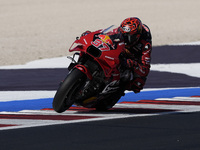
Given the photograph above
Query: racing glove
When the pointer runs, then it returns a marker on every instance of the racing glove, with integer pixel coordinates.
(129, 63)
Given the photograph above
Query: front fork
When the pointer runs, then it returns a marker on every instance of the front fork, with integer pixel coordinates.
(81, 67)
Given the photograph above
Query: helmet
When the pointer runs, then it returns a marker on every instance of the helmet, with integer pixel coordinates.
(131, 30)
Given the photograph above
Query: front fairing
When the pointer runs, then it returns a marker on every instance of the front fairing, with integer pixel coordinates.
(82, 43)
(104, 48)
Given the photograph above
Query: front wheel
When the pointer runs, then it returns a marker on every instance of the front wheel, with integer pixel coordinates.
(65, 95)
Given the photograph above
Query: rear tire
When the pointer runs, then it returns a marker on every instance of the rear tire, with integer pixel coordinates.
(64, 97)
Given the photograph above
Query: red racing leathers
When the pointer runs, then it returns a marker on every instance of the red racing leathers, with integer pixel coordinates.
(138, 57)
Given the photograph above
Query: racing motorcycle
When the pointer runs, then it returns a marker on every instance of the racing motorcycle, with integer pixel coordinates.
(95, 80)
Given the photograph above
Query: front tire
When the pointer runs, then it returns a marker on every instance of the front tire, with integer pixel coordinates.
(64, 97)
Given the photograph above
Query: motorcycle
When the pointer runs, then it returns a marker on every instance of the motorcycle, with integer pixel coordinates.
(96, 79)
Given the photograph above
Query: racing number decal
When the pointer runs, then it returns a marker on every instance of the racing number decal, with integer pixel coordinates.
(105, 47)
(98, 43)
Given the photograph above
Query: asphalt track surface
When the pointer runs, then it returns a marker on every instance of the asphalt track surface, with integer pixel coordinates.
(160, 132)
(165, 132)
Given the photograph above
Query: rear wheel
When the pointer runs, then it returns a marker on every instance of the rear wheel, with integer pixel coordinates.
(65, 95)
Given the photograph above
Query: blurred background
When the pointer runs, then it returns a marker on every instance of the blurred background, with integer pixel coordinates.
(38, 29)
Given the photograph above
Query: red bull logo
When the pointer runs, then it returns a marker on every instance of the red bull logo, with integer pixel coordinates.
(106, 39)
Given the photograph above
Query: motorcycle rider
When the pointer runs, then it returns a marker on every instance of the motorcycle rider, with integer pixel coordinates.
(138, 44)
(137, 54)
